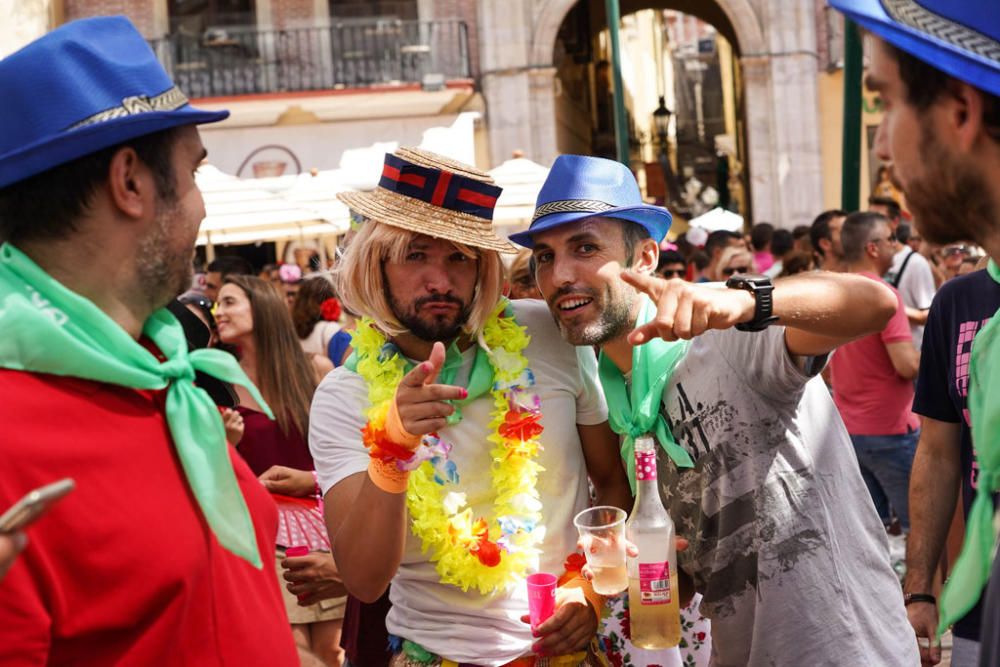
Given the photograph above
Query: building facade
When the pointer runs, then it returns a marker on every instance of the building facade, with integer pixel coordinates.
(311, 83)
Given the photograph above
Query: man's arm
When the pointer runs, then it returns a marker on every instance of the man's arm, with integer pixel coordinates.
(905, 358)
(934, 486)
(820, 310)
(366, 522)
(604, 465)
(916, 316)
(367, 528)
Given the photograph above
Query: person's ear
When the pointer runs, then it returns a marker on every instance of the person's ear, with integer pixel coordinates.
(130, 183)
(962, 110)
(646, 256)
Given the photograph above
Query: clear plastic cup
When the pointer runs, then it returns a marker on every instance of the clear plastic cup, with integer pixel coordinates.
(602, 535)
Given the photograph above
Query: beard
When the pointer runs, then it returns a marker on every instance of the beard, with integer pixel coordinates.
(951, 200)
(163, 270)
(615, 317)
(435, 327)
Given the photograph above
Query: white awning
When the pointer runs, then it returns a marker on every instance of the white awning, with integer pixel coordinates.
(718, 219)
(521, 180)
(252, 210)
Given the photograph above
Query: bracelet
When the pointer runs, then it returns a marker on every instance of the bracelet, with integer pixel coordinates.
(911, 598)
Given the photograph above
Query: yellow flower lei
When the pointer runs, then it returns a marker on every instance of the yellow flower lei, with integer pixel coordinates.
(470, 552)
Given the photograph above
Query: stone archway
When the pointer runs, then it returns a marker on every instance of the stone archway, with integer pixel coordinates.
(777, 47)
(548, 20)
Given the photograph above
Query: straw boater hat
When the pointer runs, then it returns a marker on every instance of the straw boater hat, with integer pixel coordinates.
(429, 194)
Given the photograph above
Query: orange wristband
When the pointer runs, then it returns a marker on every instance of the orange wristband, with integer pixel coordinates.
(394, 429)
(386, 476)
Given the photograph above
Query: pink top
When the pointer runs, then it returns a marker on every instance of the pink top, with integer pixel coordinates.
(762, 261)
(872, 398)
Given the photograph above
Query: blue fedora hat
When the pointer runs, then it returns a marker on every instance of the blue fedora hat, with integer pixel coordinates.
(959, 37)
(581, 187)
(86, 85)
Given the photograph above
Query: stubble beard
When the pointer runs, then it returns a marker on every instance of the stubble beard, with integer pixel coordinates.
(163, 270)
(614, 321)
(951, 201)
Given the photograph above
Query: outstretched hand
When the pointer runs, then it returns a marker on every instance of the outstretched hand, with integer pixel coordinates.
(685, 310)
(685, 584)
(420, 403)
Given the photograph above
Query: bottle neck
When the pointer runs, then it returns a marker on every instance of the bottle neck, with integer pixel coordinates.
(646, 492)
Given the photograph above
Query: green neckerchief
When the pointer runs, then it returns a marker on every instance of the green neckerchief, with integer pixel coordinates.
(652, 365)
(48, 328)
(972, 569)
(480, 377)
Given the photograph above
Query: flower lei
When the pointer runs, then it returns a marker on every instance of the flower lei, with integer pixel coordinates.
(468, 552)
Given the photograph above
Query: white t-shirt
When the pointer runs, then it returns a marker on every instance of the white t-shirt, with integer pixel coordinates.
(318, 340)
(470, 627)
(785, 545)
(916, 286)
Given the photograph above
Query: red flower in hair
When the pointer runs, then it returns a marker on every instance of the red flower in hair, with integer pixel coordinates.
(330, 310)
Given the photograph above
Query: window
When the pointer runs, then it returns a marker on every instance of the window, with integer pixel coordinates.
(194, 17)
(358, 9)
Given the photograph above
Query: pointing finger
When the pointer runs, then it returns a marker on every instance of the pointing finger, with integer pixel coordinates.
(437, 361)
(426, 371)
(644, 283)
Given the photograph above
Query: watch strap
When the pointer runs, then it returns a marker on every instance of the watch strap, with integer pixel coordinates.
(911, 598)
(762, 290)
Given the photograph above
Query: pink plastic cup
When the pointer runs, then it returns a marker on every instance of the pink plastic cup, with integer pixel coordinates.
(541, 597)
(295, 552)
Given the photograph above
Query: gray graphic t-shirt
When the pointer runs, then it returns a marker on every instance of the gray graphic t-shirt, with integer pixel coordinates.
(786, 547)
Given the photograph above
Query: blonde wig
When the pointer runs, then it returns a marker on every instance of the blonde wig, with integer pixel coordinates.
(361, 281)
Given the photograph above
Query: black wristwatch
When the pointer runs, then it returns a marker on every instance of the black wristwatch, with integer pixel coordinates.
(910, 598)
(761, 288)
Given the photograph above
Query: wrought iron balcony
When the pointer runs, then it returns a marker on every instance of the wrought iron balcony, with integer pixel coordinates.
(243, 60)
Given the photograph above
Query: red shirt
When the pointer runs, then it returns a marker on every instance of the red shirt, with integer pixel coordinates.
(125, 570)
(871, 397)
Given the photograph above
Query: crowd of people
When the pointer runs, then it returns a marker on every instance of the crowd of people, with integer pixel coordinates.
(361, 465)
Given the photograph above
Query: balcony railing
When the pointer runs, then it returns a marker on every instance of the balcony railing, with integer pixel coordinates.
(349, 54)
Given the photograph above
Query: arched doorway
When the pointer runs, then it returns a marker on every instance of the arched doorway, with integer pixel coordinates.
(776, 51)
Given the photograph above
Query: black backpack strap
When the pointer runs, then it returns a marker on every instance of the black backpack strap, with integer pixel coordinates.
(899, 276)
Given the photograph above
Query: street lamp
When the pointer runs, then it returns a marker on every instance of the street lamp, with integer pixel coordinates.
(661, 122)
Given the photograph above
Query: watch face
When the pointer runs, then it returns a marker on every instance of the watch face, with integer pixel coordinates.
(748, 280)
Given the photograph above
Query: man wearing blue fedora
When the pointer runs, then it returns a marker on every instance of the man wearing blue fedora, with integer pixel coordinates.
(936, 66)
(157, 556)
(756, 467)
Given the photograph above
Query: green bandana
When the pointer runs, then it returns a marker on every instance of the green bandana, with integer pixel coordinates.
(972, 569)
(480, 377)
(49, 329)
(652, 365)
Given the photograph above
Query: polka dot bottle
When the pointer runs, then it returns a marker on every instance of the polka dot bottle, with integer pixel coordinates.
(653, 597)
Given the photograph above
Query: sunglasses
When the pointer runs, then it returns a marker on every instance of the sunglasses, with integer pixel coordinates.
(672, 273)
(956, 250)
(734, 270)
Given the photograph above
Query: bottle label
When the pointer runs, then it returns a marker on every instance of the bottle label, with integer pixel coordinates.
(645, 466)
(654, 583)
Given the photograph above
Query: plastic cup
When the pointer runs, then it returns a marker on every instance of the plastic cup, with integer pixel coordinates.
(541, 597)
(602, 534)
(295, 552)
